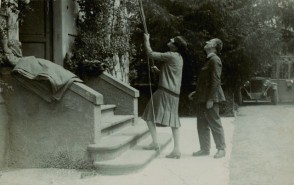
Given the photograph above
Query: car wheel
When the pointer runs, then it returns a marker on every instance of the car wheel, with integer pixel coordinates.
(240, 98)
(274, 97)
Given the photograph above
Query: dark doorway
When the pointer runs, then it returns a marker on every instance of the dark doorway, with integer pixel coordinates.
(35, 32)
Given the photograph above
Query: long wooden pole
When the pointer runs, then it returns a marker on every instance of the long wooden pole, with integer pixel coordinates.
(152, 62)
(144, 21)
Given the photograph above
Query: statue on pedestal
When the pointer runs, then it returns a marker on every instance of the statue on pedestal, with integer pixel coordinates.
(10, 46)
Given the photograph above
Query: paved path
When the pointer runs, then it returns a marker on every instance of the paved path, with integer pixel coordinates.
(186, 171)
(263, 146)
(263, 154)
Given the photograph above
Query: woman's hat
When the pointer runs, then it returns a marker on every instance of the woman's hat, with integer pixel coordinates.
(180, 42)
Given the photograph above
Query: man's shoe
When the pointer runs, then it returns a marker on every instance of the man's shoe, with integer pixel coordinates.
(201, 153)
(220, 154)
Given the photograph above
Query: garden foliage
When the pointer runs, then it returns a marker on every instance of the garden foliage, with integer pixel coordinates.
(254, 32)
(103, 40)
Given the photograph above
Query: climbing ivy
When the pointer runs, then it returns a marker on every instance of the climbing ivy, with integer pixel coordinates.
(104, 36)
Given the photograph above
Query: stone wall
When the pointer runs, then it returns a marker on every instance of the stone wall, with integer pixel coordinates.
(285, 89)
(3, 132)
(57, 134)
(116, 92)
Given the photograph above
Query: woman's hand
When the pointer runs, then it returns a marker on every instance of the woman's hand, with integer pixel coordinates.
(190, 96)
(154, 69)
(146, 36)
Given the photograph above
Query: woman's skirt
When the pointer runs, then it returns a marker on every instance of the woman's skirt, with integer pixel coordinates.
(166, 106)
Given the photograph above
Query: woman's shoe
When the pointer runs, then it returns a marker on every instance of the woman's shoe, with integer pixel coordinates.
(174, 155)
(152, 147)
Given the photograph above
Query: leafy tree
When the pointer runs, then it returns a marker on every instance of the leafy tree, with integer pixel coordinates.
(253, 32)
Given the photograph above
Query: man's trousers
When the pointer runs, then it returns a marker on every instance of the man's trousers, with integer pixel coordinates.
(209, 119)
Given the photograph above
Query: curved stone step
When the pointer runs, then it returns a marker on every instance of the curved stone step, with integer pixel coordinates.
(107, 110)
(115, 144)
(134, 159)
(115, 123)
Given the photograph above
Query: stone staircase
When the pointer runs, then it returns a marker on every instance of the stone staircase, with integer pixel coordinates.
(120, 151)
(58, 134)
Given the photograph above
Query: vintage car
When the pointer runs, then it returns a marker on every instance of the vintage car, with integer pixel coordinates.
(258, 88)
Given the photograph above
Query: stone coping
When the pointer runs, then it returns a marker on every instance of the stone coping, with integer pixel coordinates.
(120, 85)
(87, 93)
(77, 87)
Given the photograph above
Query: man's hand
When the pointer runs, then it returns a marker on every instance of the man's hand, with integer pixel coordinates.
(154, 69)
(209, 104)
(190, 96)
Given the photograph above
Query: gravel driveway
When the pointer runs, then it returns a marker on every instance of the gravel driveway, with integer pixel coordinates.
(263, 146)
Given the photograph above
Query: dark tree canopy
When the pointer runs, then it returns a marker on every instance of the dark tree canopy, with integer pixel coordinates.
(254, 32)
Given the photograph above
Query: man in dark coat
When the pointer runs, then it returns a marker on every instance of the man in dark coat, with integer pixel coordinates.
(208, 95)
